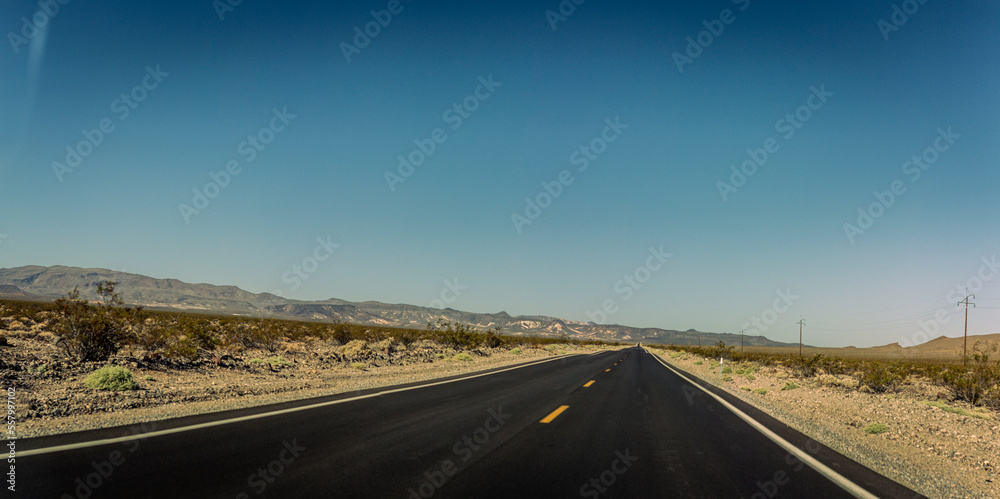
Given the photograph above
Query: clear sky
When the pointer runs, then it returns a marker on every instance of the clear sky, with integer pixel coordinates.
(634, 114)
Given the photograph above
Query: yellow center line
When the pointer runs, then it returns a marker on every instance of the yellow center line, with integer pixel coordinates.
(554, 414)
(591, 382)
(608, 369)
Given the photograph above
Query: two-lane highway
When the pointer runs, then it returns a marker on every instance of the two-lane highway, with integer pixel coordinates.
(612, 424)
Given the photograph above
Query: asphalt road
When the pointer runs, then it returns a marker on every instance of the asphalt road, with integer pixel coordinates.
(616, 424)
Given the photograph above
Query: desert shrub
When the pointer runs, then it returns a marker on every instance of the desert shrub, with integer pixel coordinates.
(91, 333)
(727, 370)
(720, 350)
(761, 391)
(182, 348)
(111, 378)
(876, 428)
(806, 367)
(880, 377)
(457, 335)
(463, 357)
(516, 351)
(789, 386)
(978, 382)
(146, 332)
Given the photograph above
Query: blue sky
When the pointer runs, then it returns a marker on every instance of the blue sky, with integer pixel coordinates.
(183, 93)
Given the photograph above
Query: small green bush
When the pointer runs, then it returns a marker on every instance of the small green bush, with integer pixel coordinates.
(148, 378)
(359, 365)
(876, 428)
(727, 370)
(727, 378)
(761, 391)
(698, 363)
(745, 388)
(111, 378)
(516, 351)
(789, 386)
(463, 357)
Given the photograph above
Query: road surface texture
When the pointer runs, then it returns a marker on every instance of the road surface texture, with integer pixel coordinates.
(611, 424)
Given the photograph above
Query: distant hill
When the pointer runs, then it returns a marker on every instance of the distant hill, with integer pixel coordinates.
(8, 292)
(171, 294)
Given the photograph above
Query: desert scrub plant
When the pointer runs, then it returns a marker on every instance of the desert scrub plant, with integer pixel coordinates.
(880, 377)
(978, 382)
(359, 365)
(745, 388)
(876, 428)
(516, 351)
(182, 348)
(463, 357)
(956, 410)
(110, 378)
(698, 363)
(727, 378)
(91, 333)
(789, 386)
(761, 391)
(727, 370)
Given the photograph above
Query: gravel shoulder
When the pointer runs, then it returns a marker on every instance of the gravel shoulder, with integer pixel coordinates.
(925, 447)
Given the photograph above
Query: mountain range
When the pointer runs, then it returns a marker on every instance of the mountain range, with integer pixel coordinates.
(47, 283)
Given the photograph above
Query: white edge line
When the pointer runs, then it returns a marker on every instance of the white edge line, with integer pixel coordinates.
(851, 487)
(169, 431)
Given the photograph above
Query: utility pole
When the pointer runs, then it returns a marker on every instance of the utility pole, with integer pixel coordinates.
(741, 341)
(965, 335)
(801, 323)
